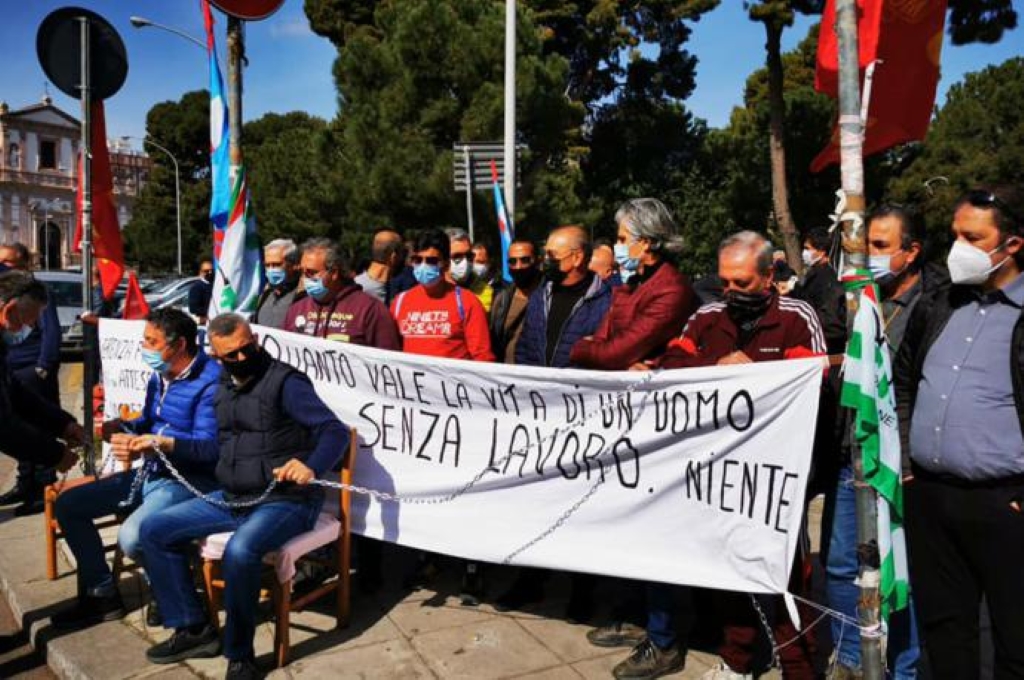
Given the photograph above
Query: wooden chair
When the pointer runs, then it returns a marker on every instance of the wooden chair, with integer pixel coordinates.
(333, 528)
(54, 533)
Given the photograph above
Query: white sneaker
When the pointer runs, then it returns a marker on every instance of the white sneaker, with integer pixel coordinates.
(723, 672)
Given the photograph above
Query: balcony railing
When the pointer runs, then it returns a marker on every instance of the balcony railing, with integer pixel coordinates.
(46, 179)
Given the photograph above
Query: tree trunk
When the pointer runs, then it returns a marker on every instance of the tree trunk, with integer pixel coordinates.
(777, 146)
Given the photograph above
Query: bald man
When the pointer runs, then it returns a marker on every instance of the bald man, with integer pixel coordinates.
(388, 259)
(602, 263)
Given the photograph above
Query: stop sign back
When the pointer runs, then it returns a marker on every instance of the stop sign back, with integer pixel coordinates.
(249, 10)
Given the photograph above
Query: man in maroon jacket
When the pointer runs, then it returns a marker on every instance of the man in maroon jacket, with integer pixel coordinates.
(335, 307)
(754, 323)
(652, 305)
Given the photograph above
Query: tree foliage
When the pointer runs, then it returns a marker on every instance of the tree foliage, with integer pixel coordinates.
(977, 137)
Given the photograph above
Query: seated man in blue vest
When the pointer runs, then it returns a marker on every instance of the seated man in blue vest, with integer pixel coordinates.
(273, 428)
(179, 418)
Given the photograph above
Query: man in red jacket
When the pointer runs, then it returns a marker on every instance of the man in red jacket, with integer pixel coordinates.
(754, 323)
(334, 307)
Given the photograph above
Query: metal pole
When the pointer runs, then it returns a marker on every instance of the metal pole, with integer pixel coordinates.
(510, 109)
(851, 142)
(236, 52)
(88, 330)
(469, 191)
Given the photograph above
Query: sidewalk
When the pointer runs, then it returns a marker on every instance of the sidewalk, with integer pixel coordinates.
(393, 634)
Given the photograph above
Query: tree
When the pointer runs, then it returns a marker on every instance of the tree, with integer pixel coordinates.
(150, 237)
(776, 15)
(977, 137)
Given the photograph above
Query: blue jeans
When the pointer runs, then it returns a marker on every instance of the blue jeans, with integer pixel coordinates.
(661, 610)
(78, 508)
(842, 592)
(167, 543)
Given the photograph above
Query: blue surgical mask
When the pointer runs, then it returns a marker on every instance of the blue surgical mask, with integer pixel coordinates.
(19, 336)
(315, 287)
(427, 274)
(626, 263)
(276, 276)
(154, 359)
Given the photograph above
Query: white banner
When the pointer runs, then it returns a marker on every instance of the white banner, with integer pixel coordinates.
(693, 476)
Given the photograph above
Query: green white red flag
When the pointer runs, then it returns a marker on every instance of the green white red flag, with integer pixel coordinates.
(868, 391)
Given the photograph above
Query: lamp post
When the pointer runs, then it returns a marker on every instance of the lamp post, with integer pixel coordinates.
(177, 187)
(143, 22)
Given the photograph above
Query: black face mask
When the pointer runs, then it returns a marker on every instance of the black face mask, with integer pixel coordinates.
(243, 369)
(524, 278)
(553, 271)
(208, 277)
(746, 308)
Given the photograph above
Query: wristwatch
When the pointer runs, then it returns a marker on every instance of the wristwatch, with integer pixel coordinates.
(42, 372)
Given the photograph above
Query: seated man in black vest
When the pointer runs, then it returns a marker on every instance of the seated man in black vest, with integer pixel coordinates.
(272, 428)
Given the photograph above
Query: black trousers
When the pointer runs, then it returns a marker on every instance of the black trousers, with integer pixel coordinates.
(966, 540)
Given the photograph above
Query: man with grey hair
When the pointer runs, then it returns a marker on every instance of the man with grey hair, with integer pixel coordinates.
(335, 308)
(754, 323)
(460, 269)
(281, 262)
(656, 299)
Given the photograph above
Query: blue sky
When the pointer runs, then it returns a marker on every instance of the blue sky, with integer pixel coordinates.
(290, 67)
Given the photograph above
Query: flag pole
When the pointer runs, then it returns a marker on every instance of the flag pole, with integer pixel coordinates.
(510, 109)
(236, 52)
(88, 330)
(851, 148)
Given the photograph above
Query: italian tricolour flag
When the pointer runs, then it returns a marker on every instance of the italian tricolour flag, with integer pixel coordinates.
(868, 391)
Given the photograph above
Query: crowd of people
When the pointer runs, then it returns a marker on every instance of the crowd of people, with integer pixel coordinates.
(234, 420)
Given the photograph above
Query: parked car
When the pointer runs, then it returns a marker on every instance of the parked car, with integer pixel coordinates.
(65, 291)
(168, 290)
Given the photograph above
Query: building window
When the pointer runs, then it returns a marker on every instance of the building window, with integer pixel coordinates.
(47, 154)
(15, 161)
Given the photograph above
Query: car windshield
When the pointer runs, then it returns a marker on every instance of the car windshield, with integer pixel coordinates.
(64, 293)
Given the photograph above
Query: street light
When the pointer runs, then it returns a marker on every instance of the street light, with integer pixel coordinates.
(142, 22)
(177, 184)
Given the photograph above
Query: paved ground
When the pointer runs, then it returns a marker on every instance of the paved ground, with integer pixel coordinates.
(394, 634)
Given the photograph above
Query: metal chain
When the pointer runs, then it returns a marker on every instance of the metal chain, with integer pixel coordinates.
(776, 663)
(383, 496)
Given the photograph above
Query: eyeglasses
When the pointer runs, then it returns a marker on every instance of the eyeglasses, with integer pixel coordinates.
(528, 260)
(430, 260)
(986, 199)
(459, 257)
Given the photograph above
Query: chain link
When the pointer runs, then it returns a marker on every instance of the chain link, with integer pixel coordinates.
(776, 663)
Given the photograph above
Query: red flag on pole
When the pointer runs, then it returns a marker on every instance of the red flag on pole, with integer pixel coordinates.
(135, 305)
(106, 245)
(906, 37)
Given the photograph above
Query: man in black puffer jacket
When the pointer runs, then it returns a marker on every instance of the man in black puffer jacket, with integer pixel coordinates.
(272, 426)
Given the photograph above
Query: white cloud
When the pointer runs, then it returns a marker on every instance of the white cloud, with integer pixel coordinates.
(296, 27)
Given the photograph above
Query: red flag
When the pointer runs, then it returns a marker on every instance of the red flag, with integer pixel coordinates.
(135, 305)
(106, 242)
(906, 35)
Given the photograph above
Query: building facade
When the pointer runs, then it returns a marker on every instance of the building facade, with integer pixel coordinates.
(38, 178)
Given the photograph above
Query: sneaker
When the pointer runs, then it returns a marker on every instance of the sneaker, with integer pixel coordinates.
(186, 645)
(618, 634)
(723, 672)
(648, 661)
(89, 610)
(244, 669)
(153, 617)
(472, 590)
(524, 591)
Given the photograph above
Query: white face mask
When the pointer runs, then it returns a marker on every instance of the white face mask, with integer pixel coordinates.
(969, 265)
(808, 257)
(460, 269)
(481, 270)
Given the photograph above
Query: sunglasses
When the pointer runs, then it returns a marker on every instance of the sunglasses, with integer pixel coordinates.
(459, 257)
(431, 260)
(235, 354)
(206, 271)
(986, 199)
(521, 260)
